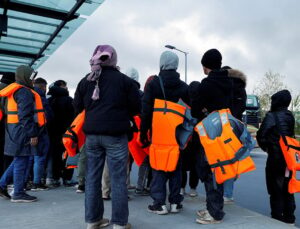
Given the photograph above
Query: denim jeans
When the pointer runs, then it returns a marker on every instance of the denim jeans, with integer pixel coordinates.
(143, 174)
(82, 166)
(115, 149)
(38, 162)
(16, 173)
(158, 186)
(106, 186)
(228, 188)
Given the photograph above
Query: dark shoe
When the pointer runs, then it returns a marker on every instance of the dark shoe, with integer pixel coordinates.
(39, 187)
(25, 198)
(80, 189)
(28, 186)
(158, 209)
(143, 192)
(106, 198)
(4, 194)
(175, 208)
(70, 183)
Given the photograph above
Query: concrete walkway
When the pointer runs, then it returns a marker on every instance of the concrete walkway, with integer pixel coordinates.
(62, 208)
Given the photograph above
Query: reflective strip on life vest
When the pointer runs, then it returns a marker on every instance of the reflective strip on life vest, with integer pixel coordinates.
(12, 107)
(224, 152)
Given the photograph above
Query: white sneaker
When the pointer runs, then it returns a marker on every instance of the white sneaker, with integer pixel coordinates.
(49, 181)
(160, 210)
(193, 193)
(100, 224)
(182, 191)
(127, 226)
(202, 212)
(228, 200)
(175, 208)
(206, 218)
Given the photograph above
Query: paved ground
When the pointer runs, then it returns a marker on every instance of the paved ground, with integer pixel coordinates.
(62, 208)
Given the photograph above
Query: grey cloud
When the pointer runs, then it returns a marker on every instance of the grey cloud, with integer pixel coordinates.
(254, 36)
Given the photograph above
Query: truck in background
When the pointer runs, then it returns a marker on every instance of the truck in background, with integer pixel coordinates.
(252, 114)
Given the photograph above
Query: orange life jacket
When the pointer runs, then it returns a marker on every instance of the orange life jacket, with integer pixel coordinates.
(224, 153)
(74, 137)
(290, 148)
(12, 107)
(291, 151)
(138, 153)
(164, 149)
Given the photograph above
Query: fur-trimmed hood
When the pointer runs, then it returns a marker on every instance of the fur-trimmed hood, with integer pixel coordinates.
(234, 73)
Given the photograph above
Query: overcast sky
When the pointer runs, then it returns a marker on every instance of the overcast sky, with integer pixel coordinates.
(253, 36)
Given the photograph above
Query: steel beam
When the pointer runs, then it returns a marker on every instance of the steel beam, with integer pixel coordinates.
(37, 10)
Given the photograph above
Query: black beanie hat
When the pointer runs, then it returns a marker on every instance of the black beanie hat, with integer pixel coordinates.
(212, 59)
(8, 78)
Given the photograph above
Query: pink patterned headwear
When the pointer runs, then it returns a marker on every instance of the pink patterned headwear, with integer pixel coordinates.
(104, 55)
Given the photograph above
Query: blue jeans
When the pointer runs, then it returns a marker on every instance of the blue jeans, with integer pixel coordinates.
(38, 162)
(16, 173)
(115, 148)
(158, 186)
(228, 188)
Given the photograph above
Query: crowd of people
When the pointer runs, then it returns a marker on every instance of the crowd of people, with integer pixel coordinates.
(33, 124)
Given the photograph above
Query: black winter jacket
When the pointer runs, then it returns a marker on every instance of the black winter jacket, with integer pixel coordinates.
(174, 90)
(268, 133)
(119, 100)
(63, 112)
(220, 89)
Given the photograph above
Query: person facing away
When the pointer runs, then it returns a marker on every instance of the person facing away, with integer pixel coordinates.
(237, 106)
(39, 160)
(24, 120)
(278, 121)
(7, 79)
(213, 93)
(109, 98)
(175, 89)
(62, 106)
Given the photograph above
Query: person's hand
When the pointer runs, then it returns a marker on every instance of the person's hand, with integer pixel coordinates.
(144, 140)
(34, 141)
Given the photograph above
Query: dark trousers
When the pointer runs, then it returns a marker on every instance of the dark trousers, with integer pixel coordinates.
(281, 201)
(193, 179)
(214, 191)
(214, 198)
(59, 165)
(158, 189)
(5, 162)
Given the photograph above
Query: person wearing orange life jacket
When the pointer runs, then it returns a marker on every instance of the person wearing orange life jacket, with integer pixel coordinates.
(213, 93)
(175, 89)
(24, 120)
(38, 162)
(7, 78)
(277, 176)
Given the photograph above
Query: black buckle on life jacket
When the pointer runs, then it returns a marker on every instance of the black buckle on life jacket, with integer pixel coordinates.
(227, 140)
(222, 167)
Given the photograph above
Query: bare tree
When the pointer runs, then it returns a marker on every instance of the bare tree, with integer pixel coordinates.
(295, 104)
(267, 86)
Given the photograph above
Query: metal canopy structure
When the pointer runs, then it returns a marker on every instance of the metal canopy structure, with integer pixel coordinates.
(30, 31)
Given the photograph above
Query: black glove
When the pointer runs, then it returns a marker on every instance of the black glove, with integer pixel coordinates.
(144, 140)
